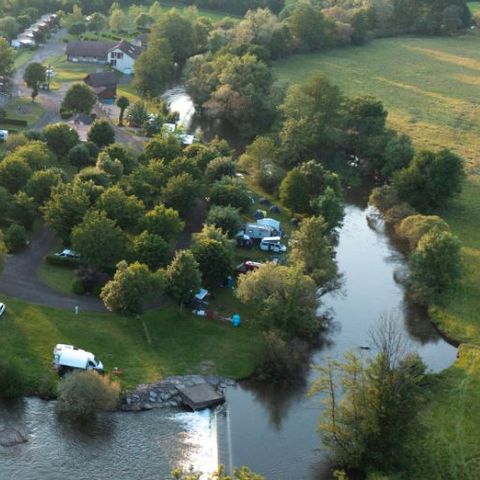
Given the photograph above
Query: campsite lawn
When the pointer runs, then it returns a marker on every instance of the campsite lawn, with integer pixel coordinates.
(179, 341)
(65, 71)
(22, 108)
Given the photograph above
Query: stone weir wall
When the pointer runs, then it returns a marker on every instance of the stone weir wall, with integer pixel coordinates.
(165, 392)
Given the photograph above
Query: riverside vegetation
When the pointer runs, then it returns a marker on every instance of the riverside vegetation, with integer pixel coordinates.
(317, 141)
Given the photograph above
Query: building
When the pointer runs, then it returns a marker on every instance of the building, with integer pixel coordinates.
(119, 55)
(88, 51)
(141, 41)
(38, 30)
(104, 84)
(122, 57)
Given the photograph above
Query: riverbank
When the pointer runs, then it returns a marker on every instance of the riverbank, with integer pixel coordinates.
(178, 343)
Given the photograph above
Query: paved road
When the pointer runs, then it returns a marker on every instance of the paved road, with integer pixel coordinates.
(20, 280)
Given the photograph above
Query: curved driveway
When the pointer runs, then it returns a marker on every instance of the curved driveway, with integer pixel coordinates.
(20, 280)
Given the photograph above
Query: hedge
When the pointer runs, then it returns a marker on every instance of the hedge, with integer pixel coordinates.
(14, 121)
(62, 261)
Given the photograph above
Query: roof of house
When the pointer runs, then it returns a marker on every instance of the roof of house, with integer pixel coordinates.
(101, 79)
(142, 39)
(128, 49)
(88, 48)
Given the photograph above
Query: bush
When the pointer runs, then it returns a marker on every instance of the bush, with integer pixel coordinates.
(62, 261)
(397, 213)
(82, 394)
(414, 227)
(279, 362)
(91, 279)
(12, 379)
(15, 238)
(47, 386)
(77, 287)
(14, 121)
(384, 198)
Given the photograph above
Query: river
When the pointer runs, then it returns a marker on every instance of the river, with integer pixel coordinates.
(271, 431)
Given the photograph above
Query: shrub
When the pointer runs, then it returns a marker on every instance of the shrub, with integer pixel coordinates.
(15, 238)
(62, 261)
(47, 386)
(414, 227)
(91, 279)
(82, 394)
(397, 213)
(77, 287)
(12, 380)
(384, 198)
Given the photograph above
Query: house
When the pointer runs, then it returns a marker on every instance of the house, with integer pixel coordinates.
(141, 41)
(119, 55)
(104, 84)
(122, 57)
(88, 51)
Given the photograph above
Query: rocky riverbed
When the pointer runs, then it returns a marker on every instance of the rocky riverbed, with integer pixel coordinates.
(165, 392)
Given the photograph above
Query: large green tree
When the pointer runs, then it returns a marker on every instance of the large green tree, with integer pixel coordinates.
(163, 221)
(183, 277)
(152, 250)
(79, 98)
(65, 208)
(99, 240)
(131, 287)
(42, 182)
(14, 173)
(7, 57)
(34, 75)
(101, 133)
(61, 138)
(180, 193)
(285, 299)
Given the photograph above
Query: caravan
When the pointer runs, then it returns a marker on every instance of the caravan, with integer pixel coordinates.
(67, 358)
(272, 244)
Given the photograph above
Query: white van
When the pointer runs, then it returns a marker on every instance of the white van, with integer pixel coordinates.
(67, 358)
(272, 244)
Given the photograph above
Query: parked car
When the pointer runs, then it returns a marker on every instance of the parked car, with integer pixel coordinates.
(68, 254)
(272, 244)
(247, 266)
(68, 358)
(2, 308)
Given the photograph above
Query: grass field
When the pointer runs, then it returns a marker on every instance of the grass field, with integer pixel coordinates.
(428, 85)
(179, 341)
(22, 108)
(68, 71)
(474, 7)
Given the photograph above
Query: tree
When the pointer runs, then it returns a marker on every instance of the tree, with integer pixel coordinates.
(34, 75)
(41, 184)
(113, 168)
(230, 192)
(370, 403)
(143, 20)
(77, 28)
(79, 156)
(82, 394)
(22, 210)
(242, 473)
(101, 133)
(180, 193)
(228, 219)
(330, 207)
(303, 184)
(214, 254)
(414, 227)
(126, 210)
(220, 167)
(435, 265)
(99, 240)
(398, 154)
(3, 252)
(117, 20)
(116, 151)
(183, 277)
(14, 173)
(6, 200)
(61, 138)
(36, 154)
(154, 68)
(9, 26)
(7, 57)
(122, 103)
(137, 114)
(314, 116)
(162, 147)
(312, 252)
(131, 287)
(431, 179)
(97, 23)
(163, 221)
(79, 99)
(15, 238)
(152, 250)
(286, 300)
(66, 208)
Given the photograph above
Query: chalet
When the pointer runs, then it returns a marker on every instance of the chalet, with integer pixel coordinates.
(104, 84)
(122, 57)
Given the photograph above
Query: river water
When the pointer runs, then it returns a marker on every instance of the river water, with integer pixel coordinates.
(271, 431)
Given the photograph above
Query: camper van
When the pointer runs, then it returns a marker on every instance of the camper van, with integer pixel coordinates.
(272, 244)
(67, 358)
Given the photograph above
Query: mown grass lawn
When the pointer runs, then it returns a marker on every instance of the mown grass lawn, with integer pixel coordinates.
(179, 341)
(65, 71)
(474, 7)
(56, 276)
(22, 108)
